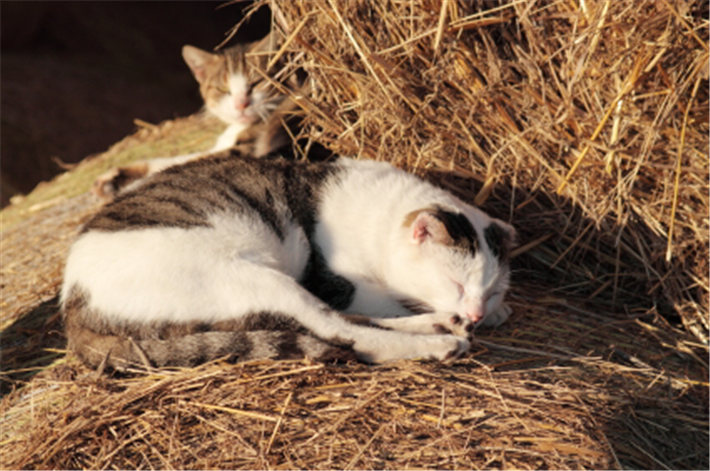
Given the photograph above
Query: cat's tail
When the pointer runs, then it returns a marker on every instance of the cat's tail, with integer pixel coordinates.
(125, 353)
(103, 344)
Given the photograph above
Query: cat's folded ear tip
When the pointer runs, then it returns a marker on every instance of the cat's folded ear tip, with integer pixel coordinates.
(508, 228)
(512, 233)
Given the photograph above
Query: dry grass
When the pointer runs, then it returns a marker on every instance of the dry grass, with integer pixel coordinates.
(268, 414)
(583, 123)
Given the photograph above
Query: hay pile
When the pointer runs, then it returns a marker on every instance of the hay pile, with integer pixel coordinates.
(298, 415)
(585, 124)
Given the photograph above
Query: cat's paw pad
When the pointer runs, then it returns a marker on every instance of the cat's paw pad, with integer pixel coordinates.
(445, 347)
(453, 324)
(497, 317)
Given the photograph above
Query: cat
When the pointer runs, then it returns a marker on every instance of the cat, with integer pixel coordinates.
(260, 118)
(239, 257)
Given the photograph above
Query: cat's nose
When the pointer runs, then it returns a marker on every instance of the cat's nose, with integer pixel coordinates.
(241, 103)
(476, 314)
(474, 308)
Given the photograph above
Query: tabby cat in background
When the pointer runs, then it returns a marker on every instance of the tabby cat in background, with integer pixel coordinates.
(260, 118)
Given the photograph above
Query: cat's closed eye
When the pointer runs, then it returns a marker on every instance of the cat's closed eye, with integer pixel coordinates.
(460, 288)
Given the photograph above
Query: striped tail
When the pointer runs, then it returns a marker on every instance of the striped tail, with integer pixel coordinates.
(124, 353)
(143, 346)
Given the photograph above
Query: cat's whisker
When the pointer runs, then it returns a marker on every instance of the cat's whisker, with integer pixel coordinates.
(263, 114)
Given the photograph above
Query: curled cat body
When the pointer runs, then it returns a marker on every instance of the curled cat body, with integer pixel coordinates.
(235, 257)
(260, 118)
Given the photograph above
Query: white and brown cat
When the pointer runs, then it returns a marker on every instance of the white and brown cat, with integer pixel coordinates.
(259, 116)
(238, 257)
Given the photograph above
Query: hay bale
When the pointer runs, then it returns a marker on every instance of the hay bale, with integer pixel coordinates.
(498, 103)
(583, 122)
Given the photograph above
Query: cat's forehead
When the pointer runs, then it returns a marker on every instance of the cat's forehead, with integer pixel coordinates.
(237, 50)
(495, 236)
(242, 57)
(474, 234)
(463, 236)
(234, 58)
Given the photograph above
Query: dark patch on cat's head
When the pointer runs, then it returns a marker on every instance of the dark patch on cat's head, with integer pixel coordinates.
(443, 227)
(499, 241)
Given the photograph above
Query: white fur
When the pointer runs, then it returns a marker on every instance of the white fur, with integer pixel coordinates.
(238, 85)
(172, 274)
(361, 234)
(228, 138)
(227, 110)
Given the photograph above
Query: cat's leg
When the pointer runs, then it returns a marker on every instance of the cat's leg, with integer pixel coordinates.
(429, 323)
(108, 184)
(442, 322)
(253, 287)
(383, 310)
(369, 343)
(372, 301)
(228, 137)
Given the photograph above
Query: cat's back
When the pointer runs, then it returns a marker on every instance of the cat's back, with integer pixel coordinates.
(172, 241)
(190, 195)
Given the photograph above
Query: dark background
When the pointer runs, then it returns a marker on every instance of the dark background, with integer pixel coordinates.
(74, 75)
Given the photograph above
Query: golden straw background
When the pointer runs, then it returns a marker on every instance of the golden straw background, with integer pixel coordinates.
(583, 123)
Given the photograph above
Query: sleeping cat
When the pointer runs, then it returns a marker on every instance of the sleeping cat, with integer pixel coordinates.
(259, 117)
(233, 256)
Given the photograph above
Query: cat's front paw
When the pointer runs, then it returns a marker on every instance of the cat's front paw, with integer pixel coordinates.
(497, 317)
(444, 347)
(446, 323)
(104, 186)
(108, 184)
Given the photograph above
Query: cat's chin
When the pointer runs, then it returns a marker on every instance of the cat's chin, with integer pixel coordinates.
(248, 119)
(243, 120)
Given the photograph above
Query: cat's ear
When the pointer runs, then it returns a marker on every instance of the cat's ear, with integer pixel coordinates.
(198, 60)
(425, 226)
(269, 43)
(500, 238)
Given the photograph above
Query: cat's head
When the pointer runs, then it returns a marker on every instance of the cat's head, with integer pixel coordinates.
(457, 260)
(230, 85)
